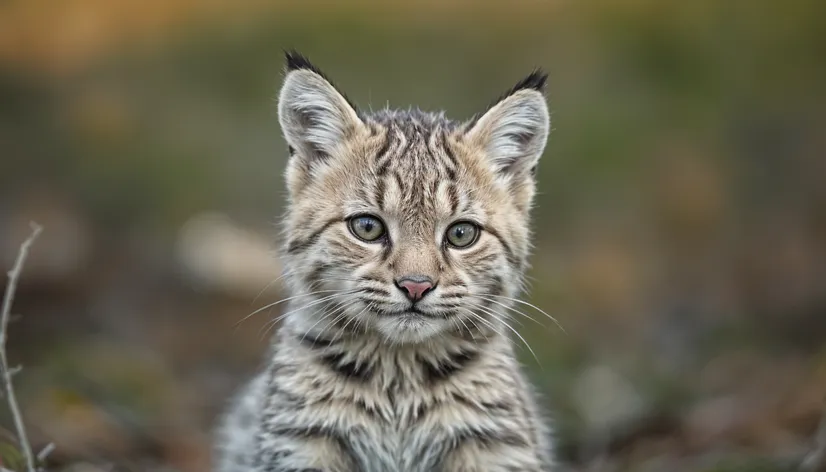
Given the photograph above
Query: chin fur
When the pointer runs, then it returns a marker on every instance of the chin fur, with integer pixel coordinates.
(410, 328)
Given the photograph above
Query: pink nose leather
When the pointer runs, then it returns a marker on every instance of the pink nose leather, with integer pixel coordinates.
(414, 289)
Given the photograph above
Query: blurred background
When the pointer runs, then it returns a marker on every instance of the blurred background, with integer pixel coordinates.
(680, 228)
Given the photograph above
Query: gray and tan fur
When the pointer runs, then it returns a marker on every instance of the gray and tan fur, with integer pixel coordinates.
(360, 379)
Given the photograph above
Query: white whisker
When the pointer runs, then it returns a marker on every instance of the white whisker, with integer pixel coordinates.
(511, 309)
(340, 306)
(344, 328)
(272, 323)
(523, 302)
(484, 321)
(504, 322)
(270, 305)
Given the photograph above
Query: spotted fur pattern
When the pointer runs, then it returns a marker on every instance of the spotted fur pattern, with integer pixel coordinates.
(358, 378)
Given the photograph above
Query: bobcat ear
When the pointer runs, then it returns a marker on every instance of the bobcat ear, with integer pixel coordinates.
(514, 131)
(314, 116)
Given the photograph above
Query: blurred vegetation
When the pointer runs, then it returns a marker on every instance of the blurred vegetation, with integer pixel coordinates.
(680, 226)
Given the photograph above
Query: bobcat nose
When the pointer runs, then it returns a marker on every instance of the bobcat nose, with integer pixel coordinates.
(415, 287)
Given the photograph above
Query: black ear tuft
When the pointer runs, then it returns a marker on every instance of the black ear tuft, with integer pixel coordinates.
(297, 61)
(535, 81)
(513, 131)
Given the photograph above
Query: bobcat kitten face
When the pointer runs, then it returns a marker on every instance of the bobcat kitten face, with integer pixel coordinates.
(404, 223)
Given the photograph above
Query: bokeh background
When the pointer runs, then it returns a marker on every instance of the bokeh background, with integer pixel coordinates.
(680, 228)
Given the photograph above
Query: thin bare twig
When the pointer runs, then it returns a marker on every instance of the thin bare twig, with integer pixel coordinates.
(44, 453)
(7, 373)
(815, 461)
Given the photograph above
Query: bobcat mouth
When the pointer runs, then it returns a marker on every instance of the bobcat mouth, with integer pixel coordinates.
(412, 311)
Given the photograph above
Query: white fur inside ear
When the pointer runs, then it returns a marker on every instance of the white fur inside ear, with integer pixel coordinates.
(513, 133)
(314, 116)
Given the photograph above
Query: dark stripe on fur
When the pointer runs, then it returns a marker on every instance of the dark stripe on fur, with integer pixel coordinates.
(349, 369)
(442, 369)
(379, 194)
(314, 277)
(382, 156)
(315, 342)
(318, 432)
(299, 245)
(453, 163)
(509, 254)
(486, 259)
(453, 196)
(495, 285)
(286, 398)
(488, 438)
(372, 278)
(375, 291)
(369, 410)
(449, 151)
(483, 407)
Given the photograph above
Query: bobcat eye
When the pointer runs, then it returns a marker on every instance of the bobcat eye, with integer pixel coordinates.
(461, 235)
(367, 228)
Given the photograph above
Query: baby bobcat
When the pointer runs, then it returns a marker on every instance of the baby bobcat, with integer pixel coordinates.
(406, 239)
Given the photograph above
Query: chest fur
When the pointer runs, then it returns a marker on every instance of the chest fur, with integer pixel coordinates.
(411, 423)
(407, 431)
(402, 412)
